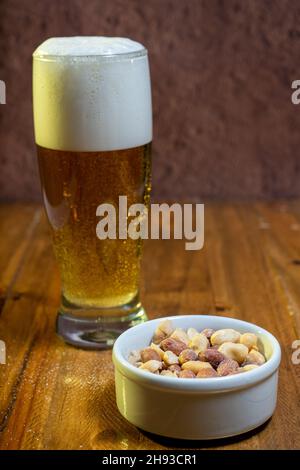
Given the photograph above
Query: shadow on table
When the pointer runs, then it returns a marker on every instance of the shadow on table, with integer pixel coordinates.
(201, 444)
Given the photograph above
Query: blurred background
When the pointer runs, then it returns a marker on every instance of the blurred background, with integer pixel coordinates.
(224, 124)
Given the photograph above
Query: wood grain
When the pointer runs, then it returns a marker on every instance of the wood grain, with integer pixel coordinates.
(53, 396)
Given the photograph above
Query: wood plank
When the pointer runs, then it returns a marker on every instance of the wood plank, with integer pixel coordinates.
(53, 396)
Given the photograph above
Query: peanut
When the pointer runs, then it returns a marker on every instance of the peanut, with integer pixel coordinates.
(170, 344)
(208, 332)
(213, 356)
(186, 374)
(134, 357)
(163, 330)
(180, 335)
(187, 355)
(199, 343)
(157, 349)
(148, 353)
(235, 351)
(151, 366)
(254, 357)
(196, 366)
(249, 340)
(168, 373)
(191, 332)
(175, 368)
(175, 352)
(207, 373)
(170, 358)
(227, 367)
(224, 336)
(248, 367)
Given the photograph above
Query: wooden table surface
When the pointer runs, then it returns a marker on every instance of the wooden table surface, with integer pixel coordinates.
(53, 396)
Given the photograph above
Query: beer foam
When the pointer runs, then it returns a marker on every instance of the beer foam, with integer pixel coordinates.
(87, 46)
(91, 94)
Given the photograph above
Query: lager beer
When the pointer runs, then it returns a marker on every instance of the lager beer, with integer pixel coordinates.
(93, 131)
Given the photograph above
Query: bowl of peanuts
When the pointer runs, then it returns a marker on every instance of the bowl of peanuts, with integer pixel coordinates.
(196, 376)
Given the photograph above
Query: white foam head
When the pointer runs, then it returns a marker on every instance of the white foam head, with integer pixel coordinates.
(91, 94)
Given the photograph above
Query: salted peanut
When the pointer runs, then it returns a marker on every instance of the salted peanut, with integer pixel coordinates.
(186, 374)
(254, 357)
(207, 373)
(180, 335)
(151, 366)
(227, 367)
(191, 332)
(235, 351)
(213, 356)
(148, 353)
(208, 332)
(164, 330)
(168, 373)
(170, 358)
(170, 344)
(195, 366)
(134, 357)
(175, 368)
(248, 367)
(249, 340)
(157, 349)
(187, 355)
(199, 343)
(224, 336)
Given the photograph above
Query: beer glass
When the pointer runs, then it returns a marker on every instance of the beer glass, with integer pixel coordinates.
(93, 132)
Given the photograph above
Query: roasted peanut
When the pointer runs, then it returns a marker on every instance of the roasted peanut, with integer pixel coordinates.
(254, 357)
(168, 373)
(187, 355)
(176, 352)
(235, 351)
(206, 373)
(249, 340)
(191, 332)
(157, 349)
(227, 367)
(180, 335)
(195, 366)
(170, 344)
(170, 358)
(187, 374)
(213, 356)
(199, 343)
(248, 367)
(208, 332)
(175, 368)
(163, 330)
(148, 353)
(224, 336)
(151, 366)
(134, 357)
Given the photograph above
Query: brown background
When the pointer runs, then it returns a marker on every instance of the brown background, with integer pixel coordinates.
(225, 126)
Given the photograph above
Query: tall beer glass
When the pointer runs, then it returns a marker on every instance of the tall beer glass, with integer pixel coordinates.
(93, 131)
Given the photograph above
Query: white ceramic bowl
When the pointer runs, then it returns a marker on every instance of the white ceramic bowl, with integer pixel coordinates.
(195, 408)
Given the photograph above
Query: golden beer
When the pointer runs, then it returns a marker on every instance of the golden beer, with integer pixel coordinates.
(93, 131)
(95, 273)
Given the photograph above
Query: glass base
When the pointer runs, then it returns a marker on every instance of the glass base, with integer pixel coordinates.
(95, 329)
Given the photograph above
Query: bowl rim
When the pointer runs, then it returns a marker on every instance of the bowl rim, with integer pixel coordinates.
(214, 384)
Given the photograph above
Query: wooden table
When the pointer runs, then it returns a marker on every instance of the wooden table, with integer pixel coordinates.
(53, 396)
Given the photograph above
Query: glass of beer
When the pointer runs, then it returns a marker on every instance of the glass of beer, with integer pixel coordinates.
(93, 132)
